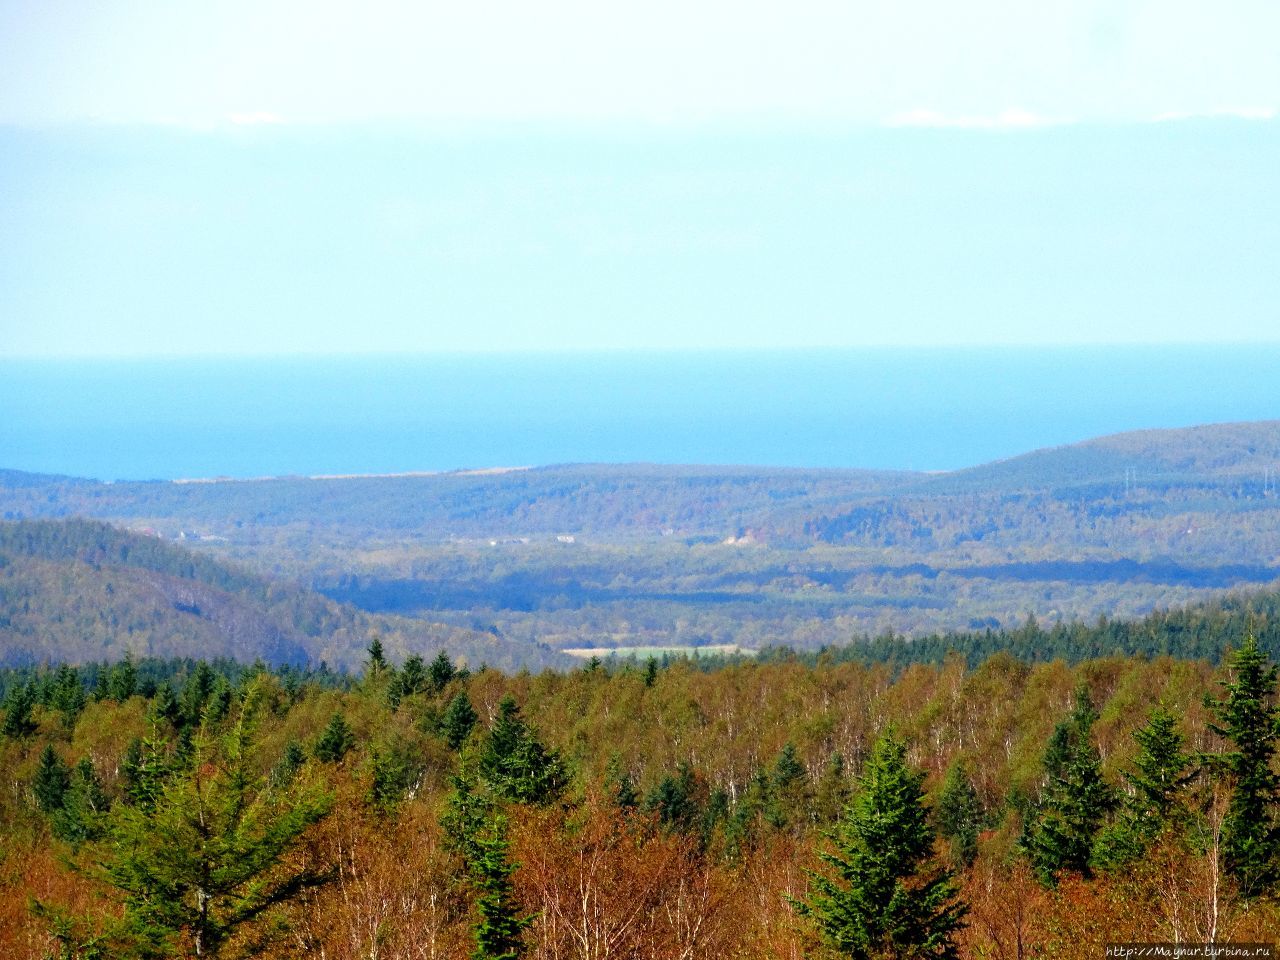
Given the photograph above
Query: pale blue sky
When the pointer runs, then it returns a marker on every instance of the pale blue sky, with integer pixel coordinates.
(267, 177)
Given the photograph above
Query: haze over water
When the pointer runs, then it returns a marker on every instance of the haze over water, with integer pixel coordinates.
(935, 409)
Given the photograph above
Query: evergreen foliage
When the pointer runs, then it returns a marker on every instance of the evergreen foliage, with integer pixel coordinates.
(441, 671)
(831, 794)
(52, 781)
(1155, 804)
(675, 800)
(884, 896)
(18, 705)
(1249, 718)
(458, 721)
(289, 765)
(514, 762)
(335, 742)
(1075, 802)
(80, 816)
(959, 815)
(205, 863)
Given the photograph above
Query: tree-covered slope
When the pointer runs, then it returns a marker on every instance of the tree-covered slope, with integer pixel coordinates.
(81, 590)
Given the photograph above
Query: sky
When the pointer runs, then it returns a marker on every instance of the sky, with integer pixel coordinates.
(272, 177)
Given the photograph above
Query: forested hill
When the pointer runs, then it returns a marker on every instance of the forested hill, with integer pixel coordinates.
(83, 591)
(587, 556)
(1211, 454)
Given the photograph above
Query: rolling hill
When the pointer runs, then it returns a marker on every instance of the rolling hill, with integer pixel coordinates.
(641, 555)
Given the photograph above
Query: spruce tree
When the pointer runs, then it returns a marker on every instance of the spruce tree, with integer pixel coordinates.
(1076, 800)
(959, 815)
(788, 800)
(208, 859)
(376, 665)
(500, 925)
(441, 671)
(515, 764)
(286, 769)
(80, 817)
(1249, 717)
(122, 682)
(1162, 771)
(884, 896)
(675, 800)
(52, 781)
(458, 721)
(335, 742)
(18, 704)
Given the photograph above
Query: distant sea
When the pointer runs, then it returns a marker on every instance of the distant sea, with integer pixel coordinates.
(936, 409)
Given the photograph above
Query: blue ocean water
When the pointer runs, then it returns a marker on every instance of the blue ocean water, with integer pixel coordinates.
(932, 409)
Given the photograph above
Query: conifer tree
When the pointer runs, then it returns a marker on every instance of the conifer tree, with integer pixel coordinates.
(458, 721)
(207, 859)
(195, 693)
(68, 696)
(52, 781)
(788, 800)
(1162, 771)
(292, 761)
(18, 704)
(478, 834)
(335, 742)
(625, 795)
(79, 818)
(376, 665)
(884, 896)
(1061, 833)
(515, 764)
(675, 800)
(441, 671)
(959, 815)
(499, 924)
(122, 682)
(1249, 717)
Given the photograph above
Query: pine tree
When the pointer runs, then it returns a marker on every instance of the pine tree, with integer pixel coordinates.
(650, 672)
(625, 795)
(458, 721)
(335, 742)
(1250, 718)
(515, 764)
(959, 815)
(69, 697)
(413, 676)
(675, 800)
(1060, 835)
(478, 835)
(884, 895)
(195, 693)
